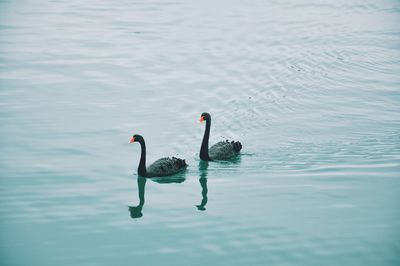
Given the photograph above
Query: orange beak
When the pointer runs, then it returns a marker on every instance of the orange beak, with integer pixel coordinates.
(132, 140)
(202, 119)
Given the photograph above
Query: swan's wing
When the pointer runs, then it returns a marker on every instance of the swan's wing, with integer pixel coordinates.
(166, 166)
(222, 150)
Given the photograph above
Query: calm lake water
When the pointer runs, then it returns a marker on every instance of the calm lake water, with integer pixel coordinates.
(310, 88)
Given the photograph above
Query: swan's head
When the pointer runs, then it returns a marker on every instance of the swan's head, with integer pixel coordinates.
(136, 138)
(205, 117)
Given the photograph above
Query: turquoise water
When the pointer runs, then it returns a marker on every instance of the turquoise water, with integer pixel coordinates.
(310, 88)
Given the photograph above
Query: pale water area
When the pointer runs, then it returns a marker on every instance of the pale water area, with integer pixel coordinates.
(310, 88)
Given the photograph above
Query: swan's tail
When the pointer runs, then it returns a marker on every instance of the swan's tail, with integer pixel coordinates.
(180, 163)
(237, 146)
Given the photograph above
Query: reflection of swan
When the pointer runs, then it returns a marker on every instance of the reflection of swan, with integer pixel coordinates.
(177, 178)
(136, 211)
(203, 165)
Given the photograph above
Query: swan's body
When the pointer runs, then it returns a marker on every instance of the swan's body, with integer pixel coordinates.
(223, 150)
(162, 167)
(166, 166)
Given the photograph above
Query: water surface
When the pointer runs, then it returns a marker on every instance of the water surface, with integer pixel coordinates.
(310, 89)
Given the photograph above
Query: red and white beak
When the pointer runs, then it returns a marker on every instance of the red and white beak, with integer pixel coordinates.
(202, 119)
(132, 140)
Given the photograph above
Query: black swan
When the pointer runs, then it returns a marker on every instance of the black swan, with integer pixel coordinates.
(161, 167)
(223, 150)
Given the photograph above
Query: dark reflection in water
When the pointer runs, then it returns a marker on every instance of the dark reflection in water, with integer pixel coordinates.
(177, 178)
(136, 211)
(234, 161)
(203, 166)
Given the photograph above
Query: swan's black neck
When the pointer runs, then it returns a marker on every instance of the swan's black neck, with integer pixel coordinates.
(142, 164)
(204, 144)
